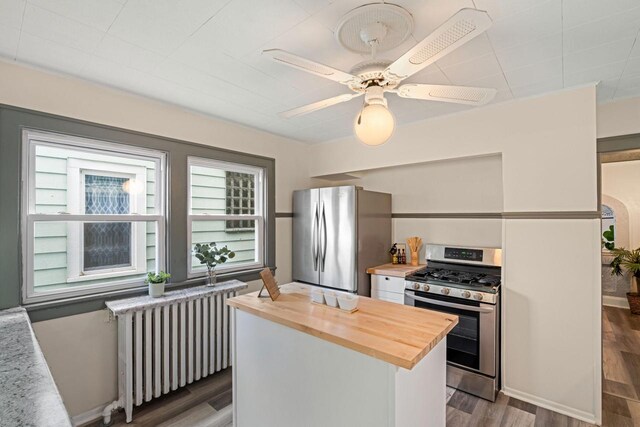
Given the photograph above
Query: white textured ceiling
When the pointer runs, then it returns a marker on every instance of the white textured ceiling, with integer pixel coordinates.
(205, 54)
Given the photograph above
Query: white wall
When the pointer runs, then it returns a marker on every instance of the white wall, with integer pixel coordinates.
(619, 118)
(471, 184)
(551, 312)
(548, 149)
(81, 349)
(468, 185)
(620, 181)
(81, 352)
(620, 184)
(547, 143)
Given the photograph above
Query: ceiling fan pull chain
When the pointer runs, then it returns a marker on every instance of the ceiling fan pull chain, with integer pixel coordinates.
(361, 110)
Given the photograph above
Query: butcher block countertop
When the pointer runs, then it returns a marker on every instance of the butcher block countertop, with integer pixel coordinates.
(397, 334)
(396, 270)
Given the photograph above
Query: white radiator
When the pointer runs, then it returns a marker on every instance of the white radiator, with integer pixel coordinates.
(168, 342)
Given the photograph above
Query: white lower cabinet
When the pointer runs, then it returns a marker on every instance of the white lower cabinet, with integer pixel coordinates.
(388, 296)
(387, 288)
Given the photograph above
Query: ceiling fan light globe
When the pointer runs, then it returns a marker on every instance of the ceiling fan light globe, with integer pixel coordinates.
(375, 125)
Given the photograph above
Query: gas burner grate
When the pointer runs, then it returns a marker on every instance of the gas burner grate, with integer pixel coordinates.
(458, 277)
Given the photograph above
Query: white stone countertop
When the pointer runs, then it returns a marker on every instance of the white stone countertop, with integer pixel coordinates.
(123, 306)
(28, 394)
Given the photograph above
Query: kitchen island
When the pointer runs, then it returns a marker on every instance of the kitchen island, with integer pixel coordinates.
(298, 363)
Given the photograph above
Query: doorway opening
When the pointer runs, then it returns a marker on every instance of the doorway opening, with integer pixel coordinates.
(620, 232)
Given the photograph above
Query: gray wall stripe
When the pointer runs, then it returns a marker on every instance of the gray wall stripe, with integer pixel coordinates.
(553, 215)
(448, 215)
(486, 215)
(618, 143)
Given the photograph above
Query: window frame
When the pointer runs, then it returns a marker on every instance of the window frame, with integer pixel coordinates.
(260, 214)
(31, 139)
(77, 169)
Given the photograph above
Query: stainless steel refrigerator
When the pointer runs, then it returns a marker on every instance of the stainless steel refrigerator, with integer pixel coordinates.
(339, 232)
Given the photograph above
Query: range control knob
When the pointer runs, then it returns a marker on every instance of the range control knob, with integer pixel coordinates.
(445, 291)
(477, 296)
(466, 294)
(416, 286)
(425, 288)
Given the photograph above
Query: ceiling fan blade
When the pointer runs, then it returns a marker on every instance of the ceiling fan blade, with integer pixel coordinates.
(455, 94)
(462, 27)
(312, 67)
(310, 108)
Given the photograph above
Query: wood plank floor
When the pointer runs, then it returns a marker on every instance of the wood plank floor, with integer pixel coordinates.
(620, 386)
(188, 406)
(196, 403)
(620, 367)
(464, 410)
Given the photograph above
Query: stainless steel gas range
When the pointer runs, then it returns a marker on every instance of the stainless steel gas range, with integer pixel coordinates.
(466, 282)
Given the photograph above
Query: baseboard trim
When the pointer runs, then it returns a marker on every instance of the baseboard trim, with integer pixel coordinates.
(552, 406)
(612, 301)
(89, 416)
(222, 418)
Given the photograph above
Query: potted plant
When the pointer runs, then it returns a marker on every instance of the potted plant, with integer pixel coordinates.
(210, 255)
(156, 282)
(608, 238)
(628, 260)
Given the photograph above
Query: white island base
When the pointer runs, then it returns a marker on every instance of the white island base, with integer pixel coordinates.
(283, 377)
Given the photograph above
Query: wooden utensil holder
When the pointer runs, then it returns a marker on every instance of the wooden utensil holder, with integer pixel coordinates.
(414, 258)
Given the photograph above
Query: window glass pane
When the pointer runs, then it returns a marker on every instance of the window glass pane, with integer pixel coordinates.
(241, 201)
(106, 195)
(608, 227)
(216, 191)
(113, 183)
(242, 243)
(208, 191)
(106, 245)
(60, 262)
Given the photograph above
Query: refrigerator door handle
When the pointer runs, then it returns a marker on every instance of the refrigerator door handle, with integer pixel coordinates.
(324, 232)
(314, 238)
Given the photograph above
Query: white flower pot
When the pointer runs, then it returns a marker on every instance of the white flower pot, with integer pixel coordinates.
(156, 289)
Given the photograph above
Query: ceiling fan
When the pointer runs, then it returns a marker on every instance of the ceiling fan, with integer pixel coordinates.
(373, 28)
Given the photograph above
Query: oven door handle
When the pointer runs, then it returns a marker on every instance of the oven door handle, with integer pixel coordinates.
(450, 304)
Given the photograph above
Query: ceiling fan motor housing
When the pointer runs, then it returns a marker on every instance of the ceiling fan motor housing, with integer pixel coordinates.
(374, 95)
(371, 69)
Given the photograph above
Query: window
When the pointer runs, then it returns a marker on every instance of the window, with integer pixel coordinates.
(226, 206)
(94, 213)
(105, 188)
(608, 225)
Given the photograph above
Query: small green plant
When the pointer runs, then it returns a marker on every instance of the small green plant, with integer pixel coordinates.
(210, 255)
(628, 260)
(608, 240)
(153, 277)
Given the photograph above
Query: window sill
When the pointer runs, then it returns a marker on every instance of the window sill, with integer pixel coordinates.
(70, 306)
(201, 272)
(87, 277)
